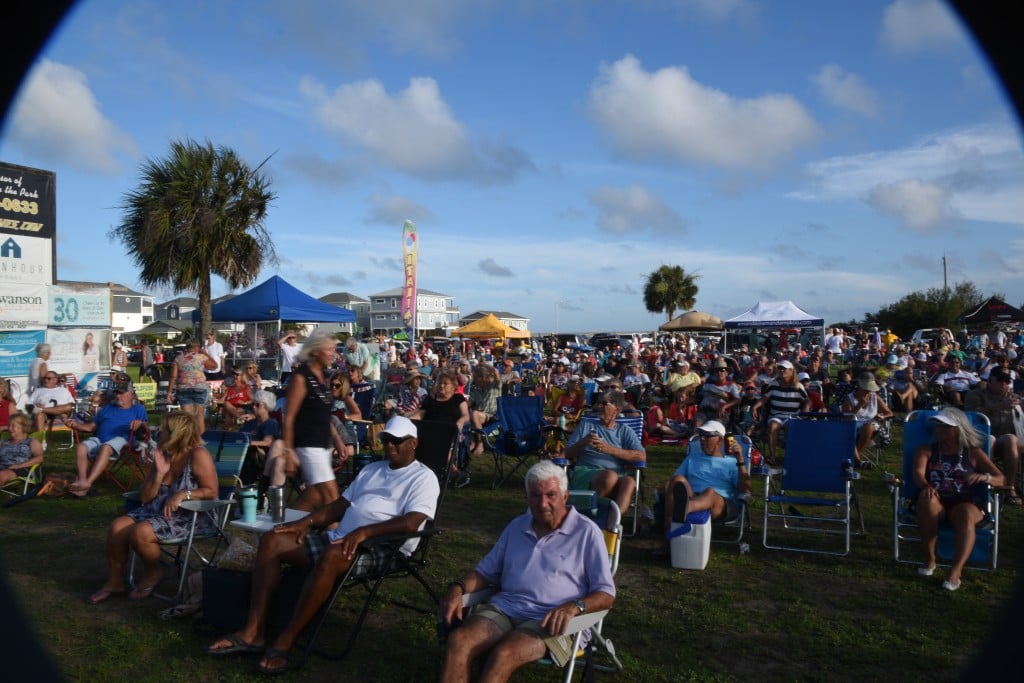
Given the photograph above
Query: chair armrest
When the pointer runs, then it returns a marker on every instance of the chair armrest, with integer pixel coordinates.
(585, 621)
(399, 539)
(203, 505)
(477, 597)
(637, 465)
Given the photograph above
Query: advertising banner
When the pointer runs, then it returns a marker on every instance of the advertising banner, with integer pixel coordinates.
(18, 350)
(79, 351)
(79, 308)
(23, 307)
(28, 260)
(28, 201)
(410, 253)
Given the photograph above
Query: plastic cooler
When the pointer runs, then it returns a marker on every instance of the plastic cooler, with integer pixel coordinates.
(690, 542)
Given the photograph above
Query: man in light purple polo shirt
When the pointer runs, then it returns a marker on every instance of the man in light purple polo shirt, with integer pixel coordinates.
(549, 565)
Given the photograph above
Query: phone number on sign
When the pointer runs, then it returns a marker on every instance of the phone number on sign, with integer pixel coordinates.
(19, 206)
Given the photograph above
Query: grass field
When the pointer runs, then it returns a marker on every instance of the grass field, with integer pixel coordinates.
(768, 615)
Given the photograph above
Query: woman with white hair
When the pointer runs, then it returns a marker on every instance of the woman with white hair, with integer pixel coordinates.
(306, 428)
(946, 472)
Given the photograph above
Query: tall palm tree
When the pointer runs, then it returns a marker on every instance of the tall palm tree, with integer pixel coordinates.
(670, 288)
(197, 213)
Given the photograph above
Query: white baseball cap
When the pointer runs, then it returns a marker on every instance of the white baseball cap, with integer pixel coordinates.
(400, 427)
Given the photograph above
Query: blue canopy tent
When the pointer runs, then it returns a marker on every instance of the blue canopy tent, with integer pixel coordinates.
(274, 302)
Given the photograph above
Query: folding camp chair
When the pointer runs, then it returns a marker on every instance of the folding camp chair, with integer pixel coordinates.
(228, 450)
(127, 468)
(436, 443)
(729, 530)
(602, 511)
(20, 486)
(519, 435)
(817, 473)
(917, 431)
(635, 469)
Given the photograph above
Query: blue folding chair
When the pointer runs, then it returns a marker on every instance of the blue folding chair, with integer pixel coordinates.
(519, 435)
(635, 469)
(917, 431)
(736, 525)
(817, 474)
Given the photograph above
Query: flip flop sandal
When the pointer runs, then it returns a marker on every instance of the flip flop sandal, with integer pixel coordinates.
(238, 646)
(271, 654)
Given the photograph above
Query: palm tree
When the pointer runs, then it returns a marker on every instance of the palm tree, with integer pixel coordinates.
(197, 213)
(670, 288)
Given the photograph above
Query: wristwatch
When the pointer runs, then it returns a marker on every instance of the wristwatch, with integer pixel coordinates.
(188, 494)
(582, 606)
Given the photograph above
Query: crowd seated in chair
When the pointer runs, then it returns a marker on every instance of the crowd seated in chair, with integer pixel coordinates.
(236, 400)
(955, 382)
(719, 395)
(20, 452)
(447, 405)
(111, 429)
(50, 402)
(361, 513)
(7, 405)
(603, 449)
(997, 401)
(782, 399)
(866, 408)
(713, 477)
(483, 403)
(182, 470)
(265, 445)
(946, 472)
(567, 573)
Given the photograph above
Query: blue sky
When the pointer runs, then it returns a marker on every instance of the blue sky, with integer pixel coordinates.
(553, 153)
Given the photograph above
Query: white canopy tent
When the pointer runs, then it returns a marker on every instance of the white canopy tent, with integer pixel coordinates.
(772, 315)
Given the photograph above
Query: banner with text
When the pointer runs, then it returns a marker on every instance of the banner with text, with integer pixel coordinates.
(79, 307)
(28, 201)
(28, 260)
(79, 351)
(410, 252)
(23, 307)
(18, 350)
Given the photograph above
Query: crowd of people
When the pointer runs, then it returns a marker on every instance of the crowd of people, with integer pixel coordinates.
(304, 431)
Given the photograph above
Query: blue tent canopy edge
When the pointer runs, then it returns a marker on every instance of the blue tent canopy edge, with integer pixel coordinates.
(277, 300)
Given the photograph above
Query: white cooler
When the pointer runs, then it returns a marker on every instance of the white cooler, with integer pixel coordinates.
(691, 549)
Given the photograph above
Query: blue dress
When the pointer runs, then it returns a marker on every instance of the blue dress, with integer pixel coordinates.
(176, 527)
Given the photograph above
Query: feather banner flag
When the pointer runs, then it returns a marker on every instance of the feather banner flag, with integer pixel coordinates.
(410, 252)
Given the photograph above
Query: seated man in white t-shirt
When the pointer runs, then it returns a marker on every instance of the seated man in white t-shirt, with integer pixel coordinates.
(50, 402)
(393, 496)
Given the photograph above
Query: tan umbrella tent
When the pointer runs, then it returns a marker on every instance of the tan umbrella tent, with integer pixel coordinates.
(489, 327)
(693, 320)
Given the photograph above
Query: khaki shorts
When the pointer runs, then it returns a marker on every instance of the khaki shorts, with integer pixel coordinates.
(559, 647)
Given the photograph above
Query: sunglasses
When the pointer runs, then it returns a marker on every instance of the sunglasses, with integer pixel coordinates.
(336, 386)
(387, 439)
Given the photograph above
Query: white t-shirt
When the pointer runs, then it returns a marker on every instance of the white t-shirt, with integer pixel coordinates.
(216, 352)
(288, 355)
(380, 493)
(47, 397)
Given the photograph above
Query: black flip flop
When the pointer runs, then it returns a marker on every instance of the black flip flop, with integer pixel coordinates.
(238, 646)
(274, 653)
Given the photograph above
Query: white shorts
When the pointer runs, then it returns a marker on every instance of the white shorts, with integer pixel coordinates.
(315, 464)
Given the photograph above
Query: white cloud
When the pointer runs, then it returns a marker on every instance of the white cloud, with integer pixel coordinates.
(623, 211)
(56, 119)
(720, 10)
(393, 210)
(846, 90)
(666, 115)
(919, 205)
(979, 168)
(413, 131)
(915, 26)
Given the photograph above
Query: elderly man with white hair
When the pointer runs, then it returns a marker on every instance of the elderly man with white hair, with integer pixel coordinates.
(549, 565)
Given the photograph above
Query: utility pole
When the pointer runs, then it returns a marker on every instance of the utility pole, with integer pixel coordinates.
(945, 282)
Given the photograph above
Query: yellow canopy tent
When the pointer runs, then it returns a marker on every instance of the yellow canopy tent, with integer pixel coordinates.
(489, 327)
